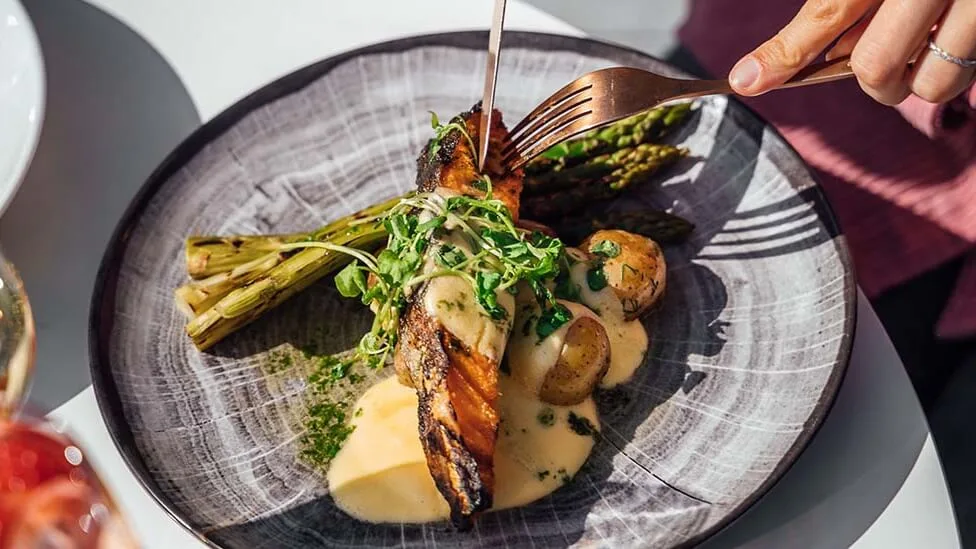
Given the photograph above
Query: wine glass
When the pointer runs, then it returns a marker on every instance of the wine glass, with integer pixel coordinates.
(50, 496)
(16, 341)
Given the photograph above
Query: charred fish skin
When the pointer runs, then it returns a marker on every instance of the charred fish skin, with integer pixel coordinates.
(457, 386)
(452, 164)
(458, 474)
(433, 159)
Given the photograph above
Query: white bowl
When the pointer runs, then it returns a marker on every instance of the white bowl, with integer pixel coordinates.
(21, 96)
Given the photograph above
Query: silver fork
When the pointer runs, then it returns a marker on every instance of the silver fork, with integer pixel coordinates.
(607, 95)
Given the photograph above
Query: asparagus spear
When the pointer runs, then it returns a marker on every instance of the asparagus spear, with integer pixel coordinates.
(573, 189)
(562, 166)
(649, 126)
(662, 227)
(207, 256)
(245, 304)
(210, 255)
(231, 262)
(199, 295)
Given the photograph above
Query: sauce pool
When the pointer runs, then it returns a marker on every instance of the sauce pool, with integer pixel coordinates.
(381, 474)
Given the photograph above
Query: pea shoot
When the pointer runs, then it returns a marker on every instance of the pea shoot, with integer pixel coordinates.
(606, 248)
(441, 131)
(596, 277)
(496, 257)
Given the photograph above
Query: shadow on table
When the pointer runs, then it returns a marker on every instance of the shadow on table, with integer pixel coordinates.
(858, 460)
(114, 109)
(854, 466)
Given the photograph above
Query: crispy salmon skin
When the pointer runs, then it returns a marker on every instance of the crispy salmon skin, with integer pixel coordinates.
(457, 385)
(453, 164)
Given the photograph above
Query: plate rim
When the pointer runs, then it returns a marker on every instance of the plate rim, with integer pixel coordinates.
(103, 295)
(28, 147)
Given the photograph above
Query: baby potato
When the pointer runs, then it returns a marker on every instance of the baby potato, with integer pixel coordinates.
(565, 366)
(634, 267)
(582, 363)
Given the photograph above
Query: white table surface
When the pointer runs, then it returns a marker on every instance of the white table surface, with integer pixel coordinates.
(129, 78)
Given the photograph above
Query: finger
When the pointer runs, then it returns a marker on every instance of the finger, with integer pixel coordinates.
(816, 25)
(880, 58)
(845, 44)
(935, 79)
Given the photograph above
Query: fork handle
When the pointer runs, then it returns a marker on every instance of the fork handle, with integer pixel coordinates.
(818, 73)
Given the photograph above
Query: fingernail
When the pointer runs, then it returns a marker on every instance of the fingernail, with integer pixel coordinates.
(745, 73)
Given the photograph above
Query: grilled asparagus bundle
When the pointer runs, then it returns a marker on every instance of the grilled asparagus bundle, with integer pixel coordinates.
(236, 279)
(557, 194)
(647, 127)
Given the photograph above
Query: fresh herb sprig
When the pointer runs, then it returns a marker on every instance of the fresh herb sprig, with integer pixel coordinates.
(441, 131)
(498, 256)
(606, 248)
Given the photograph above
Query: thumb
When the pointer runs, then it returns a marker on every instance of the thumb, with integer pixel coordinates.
(816, 25)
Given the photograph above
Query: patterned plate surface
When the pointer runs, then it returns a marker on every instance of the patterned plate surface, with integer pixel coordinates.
(747, 352)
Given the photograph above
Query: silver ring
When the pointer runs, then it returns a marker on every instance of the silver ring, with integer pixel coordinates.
(946, 56)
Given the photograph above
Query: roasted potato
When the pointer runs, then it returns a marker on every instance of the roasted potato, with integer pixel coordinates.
(584, 360)
(566, 366)
(634, 267)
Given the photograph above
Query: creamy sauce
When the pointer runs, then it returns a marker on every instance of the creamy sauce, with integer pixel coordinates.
(381, 474)
(452, 301)
(628, 338)
(530, 359)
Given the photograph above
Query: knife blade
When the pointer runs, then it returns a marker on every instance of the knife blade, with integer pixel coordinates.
(491, 78)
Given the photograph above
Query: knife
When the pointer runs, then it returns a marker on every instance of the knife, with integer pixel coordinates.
(491, 77)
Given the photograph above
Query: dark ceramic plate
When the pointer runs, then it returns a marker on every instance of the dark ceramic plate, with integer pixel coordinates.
(747, 352)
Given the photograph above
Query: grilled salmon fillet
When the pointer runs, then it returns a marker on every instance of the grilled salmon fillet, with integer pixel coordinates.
(456, 374)
(453, 166)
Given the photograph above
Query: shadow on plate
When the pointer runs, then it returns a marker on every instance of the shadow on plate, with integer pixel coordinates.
(623, 409)
(853, 468)
(866, 447)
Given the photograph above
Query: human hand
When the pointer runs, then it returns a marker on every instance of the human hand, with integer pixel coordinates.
(882, 37)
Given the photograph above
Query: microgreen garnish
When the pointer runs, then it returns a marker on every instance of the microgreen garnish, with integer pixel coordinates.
(327, 429)
(566, 288)
(449, 256)
(547, 417)
(582, 426)
(441, 131)
(485, 284)
(552, 319)
(564, 475)
(481, 184)
(485, 249)
(606, 248)
(596, 278)
(351, 281)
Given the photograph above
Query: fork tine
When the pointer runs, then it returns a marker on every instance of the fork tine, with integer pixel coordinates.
(565, 93)
(516, 141)
(570, 124)
(552, 122)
